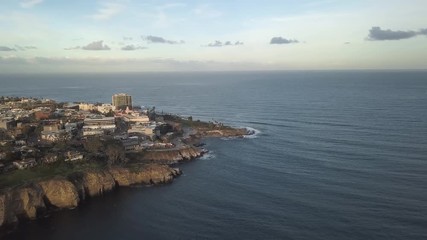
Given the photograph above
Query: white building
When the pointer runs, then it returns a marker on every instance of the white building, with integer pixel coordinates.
(98, 125)
(106, 108)
(87, 107)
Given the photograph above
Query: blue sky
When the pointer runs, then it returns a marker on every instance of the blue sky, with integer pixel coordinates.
(130, 35)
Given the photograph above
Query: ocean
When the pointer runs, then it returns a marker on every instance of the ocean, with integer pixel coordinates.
(337, 155)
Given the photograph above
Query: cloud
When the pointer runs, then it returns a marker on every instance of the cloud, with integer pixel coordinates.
(378, 34)
(24, 48)
(132, 48)
(6, 49)
(107, 11)
(423, 31)
(223, 44)
(154, 39)
(96, 46)
(30, 3)
(72, 48)
(127, 38)
(280, 40)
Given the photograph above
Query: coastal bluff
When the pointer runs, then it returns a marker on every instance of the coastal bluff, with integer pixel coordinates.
(35, 199)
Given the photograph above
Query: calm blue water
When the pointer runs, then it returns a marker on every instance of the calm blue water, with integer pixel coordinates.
(340, 155)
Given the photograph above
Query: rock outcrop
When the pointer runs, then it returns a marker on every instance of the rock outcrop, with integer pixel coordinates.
(223, 132)
(21, 203)
(94, 183)
(60, 193)
(27, 202)
(172, 155)
(152, 174)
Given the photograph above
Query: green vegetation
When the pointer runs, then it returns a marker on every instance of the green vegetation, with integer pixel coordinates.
(189, 122)
(41, 172)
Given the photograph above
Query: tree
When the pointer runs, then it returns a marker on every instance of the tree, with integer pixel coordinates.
(152, 114)
(115, 153)
(93, 145)
(110, 114)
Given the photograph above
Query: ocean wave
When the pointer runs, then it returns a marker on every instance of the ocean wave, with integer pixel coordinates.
(208, 155)
(255, 134)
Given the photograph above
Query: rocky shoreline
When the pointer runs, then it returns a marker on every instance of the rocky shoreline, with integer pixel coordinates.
(33, 200)
(36, 199)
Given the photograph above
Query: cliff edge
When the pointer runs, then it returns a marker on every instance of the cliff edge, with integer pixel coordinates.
(33, 200)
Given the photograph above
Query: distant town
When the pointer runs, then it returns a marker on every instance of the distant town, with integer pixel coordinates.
(33, 131)
(42, 132)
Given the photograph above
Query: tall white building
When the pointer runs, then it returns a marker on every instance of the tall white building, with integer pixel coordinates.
(122, 100)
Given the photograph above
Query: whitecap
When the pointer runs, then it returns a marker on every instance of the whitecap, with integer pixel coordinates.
(255, 132)
(208, 155)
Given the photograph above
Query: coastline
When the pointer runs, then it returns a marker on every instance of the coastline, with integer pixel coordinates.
(154, 167)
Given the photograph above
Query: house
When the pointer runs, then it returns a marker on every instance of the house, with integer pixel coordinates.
(50, 158)
(50, 136)
(137, 119)
(69, 127)
(106, 108)
(26, 163)
(41, 115)
(73, 156)
(87, 107)
(7, 123)
(131, 143)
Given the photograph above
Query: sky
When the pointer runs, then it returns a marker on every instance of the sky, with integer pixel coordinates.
(222, 35)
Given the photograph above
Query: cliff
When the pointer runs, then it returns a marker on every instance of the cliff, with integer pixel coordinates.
(29, 202)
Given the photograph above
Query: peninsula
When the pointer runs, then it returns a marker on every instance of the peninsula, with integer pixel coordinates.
(54, 155)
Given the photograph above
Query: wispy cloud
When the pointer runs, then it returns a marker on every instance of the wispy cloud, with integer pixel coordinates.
(72, 48)
(107, 11)
(24, 48)
(155, 39)
(132, 48)
(281, 40)
(6, 49)
(30, 3)
(378, 34)
(96, 46)
(224, 44)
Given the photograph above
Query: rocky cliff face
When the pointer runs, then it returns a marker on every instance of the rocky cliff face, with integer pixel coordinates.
(172, 156)
(152, 174)
(27, 202)
(21, 203)
(60, 193)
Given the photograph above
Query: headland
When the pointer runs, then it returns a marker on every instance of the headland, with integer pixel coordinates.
(54, 155)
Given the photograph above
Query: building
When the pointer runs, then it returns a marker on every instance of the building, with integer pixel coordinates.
(140, 119)
(131, 143)
(72, 156)
(26, 163)
(7, 123)
(105, 108)
(122, 101)
(50, 158)
(99, 125)
(87, 107)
